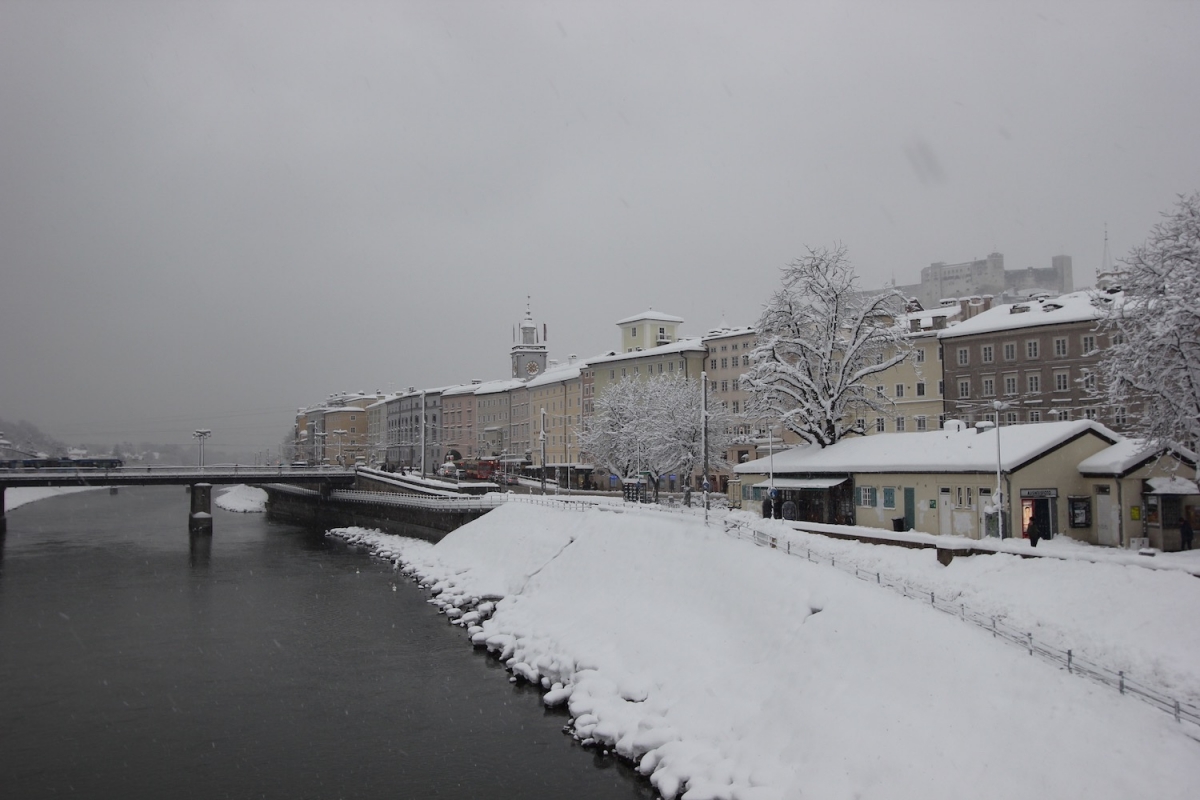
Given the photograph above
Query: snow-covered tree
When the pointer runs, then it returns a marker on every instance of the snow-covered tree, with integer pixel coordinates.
(1154, 358)
(653, 425)
(819, 338)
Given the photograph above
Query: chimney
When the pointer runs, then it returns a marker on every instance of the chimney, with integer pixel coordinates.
(939, 323)
(914, 325)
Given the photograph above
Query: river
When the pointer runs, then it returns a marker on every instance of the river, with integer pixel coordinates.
(265, 662)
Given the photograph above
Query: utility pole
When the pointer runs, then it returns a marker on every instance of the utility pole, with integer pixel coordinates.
(200, 435)
(704, 436)
(542, 436)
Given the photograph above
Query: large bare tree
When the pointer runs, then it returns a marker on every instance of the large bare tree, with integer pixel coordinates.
(1153, 362)
(819, 338)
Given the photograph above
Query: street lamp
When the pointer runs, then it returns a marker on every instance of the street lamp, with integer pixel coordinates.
(998, 406)
(319, 436)
(339, 433)
(200, 435)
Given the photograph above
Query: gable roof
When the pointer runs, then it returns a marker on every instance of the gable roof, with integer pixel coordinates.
(935, 451)
(1129, 455)
(657, 316)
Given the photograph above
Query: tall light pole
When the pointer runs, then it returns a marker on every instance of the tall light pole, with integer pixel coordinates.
(319, 436)
(704, 436)
(339, 433)
(200, 435)
(542, 436)
(998, 406)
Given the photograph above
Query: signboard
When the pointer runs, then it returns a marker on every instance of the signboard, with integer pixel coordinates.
(1135, 513)
(1027, 494)
(933, 503)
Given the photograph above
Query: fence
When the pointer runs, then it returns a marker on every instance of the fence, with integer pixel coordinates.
(1076, 665)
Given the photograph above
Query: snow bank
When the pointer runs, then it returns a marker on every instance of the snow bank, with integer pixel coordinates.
(242, 498)
(730, 671)
(19, 496)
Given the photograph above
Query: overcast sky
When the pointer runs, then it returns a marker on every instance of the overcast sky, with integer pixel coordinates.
(212, 213)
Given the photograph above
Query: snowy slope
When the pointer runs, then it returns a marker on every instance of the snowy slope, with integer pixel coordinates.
(734, 671)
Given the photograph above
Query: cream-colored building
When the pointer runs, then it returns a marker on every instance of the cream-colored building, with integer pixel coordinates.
(944, 482)
(648, 330)
(555, 403)
(1136, 492)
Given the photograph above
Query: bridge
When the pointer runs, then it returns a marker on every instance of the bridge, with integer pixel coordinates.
(200, 479)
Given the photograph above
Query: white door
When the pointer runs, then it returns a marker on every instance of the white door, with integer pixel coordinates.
(1106, 531)
(945, 512)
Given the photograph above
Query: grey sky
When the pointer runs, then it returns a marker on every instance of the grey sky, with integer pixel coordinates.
(211, 213)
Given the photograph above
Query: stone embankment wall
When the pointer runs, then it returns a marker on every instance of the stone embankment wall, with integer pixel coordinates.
(308, 508)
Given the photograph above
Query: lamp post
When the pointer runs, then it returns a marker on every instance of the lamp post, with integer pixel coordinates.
(319, 436)
(200, 435)
(542, 437)
(998, 406)
(339, 433)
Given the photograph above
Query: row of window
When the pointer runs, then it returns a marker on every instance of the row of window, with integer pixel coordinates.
(1061, 345)
(1033, 383)
(726, 363)
(636, 370)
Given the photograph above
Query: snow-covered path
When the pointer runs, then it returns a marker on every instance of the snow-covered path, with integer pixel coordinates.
(735, 671)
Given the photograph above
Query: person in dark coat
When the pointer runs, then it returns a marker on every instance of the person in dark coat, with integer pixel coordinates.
(766, 507)
(1035, 532)
(776, 504)
(1185, 533)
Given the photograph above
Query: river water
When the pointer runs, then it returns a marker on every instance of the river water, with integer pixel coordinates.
(265, 662)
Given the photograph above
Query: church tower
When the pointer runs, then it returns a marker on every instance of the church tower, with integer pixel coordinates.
(528, 355)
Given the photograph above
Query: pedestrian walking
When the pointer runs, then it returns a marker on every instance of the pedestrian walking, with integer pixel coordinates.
(1185, 533)
(1035, 532)
(766, 507)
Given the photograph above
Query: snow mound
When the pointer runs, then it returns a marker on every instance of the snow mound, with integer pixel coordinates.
(247, 499)
(15, 497)
(729, 671)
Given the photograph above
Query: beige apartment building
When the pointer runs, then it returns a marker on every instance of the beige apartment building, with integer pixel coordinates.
(458, 421)
(555, 413)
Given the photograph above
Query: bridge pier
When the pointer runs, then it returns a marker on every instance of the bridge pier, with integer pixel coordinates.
(3, 519)
(200, 520)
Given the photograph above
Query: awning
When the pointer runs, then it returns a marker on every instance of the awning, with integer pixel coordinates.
(805, 483)
(1172, 486)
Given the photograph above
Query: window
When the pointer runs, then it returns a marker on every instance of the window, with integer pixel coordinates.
(724, 363)
(723, 348)
(964, 356)
(879, 425)
(1010, 385)
(1032, 348)
(1033, 383)
(713, 363)
(1060, 347)
(1064, 413)
(662, 333)
(612, 374)
(989, 387)
(1119, 416)
(879, 358)
(1011, 418)
(921, 389)
(1089, 380)
(941, 421)
(1089, 413)
(1116, 338)
(745, 361)
(1089, 344)
(879, 392)
(941, 388)
(964, 389)
(867, 496)
(1035, 416)
(633, 332)
(987, 353)
(900, 424)
(1010, 351)
(922, 423)
(1062, 381)
(889, 497)
(724, 386)
(670, 366)
(899, 390)
(735, 406)
(920, 355)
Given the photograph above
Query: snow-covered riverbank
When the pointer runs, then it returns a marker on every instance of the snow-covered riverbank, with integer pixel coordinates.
(730, 671)
(19, 496)
(246, 499)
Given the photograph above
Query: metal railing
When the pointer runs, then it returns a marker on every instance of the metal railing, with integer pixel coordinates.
(1069, 659)
(435, 503)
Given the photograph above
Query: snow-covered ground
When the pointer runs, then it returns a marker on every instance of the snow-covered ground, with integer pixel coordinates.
(19, 496)
(242, 498)
(733, 671)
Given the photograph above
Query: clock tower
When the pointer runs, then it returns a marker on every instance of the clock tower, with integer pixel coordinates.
(528, 355)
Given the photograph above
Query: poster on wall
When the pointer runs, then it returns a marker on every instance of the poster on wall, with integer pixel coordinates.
(1080, 512)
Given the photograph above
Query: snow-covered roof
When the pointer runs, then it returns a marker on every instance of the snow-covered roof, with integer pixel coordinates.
(556, 374)
(462, 388)
(1074, 307)
(725, 331)
(496, 387)
(657, 316)
(679, 346)
(936, 451)
(1173, 485)
(336, 409)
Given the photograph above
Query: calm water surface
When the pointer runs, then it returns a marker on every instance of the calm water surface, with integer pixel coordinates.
(266, 662)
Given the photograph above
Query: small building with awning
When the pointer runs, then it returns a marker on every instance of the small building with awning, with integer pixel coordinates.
(1138, 493)
(942, 482)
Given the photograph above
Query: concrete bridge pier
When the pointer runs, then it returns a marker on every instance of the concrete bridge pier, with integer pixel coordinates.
(200, 520)
(3, 519)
